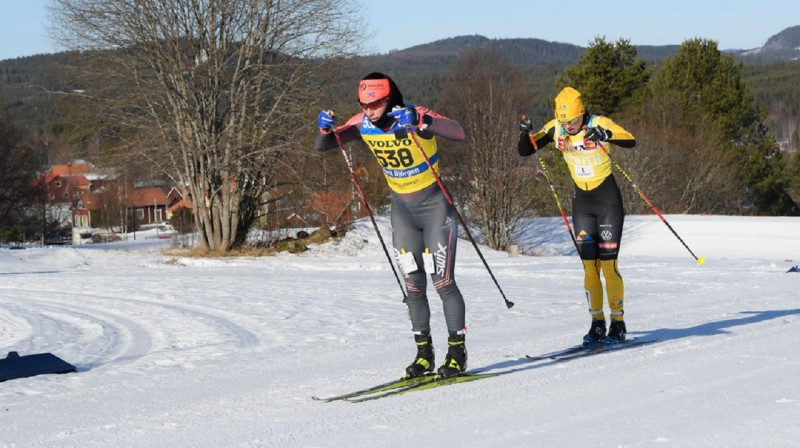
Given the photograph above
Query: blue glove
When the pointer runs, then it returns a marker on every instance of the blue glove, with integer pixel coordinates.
(405, 116)
(597, 134)
(326, 120)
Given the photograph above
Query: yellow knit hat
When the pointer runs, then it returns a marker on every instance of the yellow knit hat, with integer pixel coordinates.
(569, 104)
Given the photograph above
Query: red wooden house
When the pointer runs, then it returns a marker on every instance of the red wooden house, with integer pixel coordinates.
(63, 189)
(83, 207)
(147, 205)
(65, 183)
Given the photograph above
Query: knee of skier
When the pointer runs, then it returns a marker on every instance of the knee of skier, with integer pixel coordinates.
(416, 281)
(610, 269)
(448, 290)
(415, 297)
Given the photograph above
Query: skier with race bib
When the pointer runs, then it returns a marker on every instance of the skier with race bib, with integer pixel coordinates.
(424, 224)
(597, 209)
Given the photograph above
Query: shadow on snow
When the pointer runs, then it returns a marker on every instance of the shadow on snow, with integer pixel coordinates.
(659, 336)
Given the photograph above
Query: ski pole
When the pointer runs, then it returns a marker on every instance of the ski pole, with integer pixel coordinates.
(555, 195)
(558, 203)
(413, 135)
(647, 200)
(369, 210)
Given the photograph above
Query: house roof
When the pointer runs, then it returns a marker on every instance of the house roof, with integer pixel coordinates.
(183, 203)
(76, 180)
(142, 197)
(71, 168)
(72, 179)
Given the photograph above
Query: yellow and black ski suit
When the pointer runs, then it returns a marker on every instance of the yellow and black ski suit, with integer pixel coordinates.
(597, 210)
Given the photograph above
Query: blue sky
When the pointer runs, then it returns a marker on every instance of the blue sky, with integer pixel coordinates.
(389, 25)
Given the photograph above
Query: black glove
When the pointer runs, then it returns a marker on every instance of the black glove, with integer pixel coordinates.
(597, 134)
(525, 125)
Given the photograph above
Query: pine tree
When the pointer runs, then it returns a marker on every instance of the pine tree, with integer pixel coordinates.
(609, 76)
(700, 92)
(707, 83)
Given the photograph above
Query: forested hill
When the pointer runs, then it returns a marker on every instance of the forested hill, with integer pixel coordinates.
(27, 84)
(523, 52)
(784, 46)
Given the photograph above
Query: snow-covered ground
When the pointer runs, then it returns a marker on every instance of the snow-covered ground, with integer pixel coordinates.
(179, 352)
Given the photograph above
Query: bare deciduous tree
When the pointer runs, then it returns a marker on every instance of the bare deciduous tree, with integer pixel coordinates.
(214, 91)
(486, 96)
(19, 161)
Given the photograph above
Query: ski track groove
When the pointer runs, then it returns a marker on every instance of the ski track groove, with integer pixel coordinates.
(121, 338)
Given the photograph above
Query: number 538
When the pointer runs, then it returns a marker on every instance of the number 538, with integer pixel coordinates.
(390, 158)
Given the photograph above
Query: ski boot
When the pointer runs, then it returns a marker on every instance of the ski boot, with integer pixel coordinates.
(616, 332)
(596, 334)
(455, 363)
(423, 363)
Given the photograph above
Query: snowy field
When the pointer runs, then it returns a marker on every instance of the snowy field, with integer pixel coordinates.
(178, 352)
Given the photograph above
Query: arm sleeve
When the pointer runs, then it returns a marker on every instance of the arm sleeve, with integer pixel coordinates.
(543, 137)
(439, 125)
(524, 146)
(619, 136)
(347, 132)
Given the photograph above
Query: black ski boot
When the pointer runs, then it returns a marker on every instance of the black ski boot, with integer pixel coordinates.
(455, 363)
(617, 331)
(424, 361)
(597, 332)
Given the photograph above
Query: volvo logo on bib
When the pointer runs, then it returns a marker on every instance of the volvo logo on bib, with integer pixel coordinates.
(390, 143)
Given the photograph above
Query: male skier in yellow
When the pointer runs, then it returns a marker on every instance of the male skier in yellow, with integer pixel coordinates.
(597, 210)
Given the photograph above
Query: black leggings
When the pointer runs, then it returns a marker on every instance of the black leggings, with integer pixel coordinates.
(598, 216)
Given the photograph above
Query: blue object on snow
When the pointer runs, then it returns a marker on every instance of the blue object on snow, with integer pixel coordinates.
(15, 366)
(794, 269)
